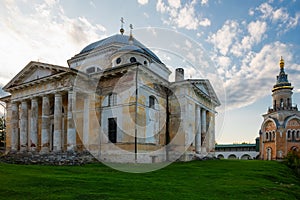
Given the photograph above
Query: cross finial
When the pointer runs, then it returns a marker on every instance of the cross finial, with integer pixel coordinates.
(122, 22)
(130, 36)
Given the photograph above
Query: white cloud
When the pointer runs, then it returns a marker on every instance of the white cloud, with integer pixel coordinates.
(266, 10)
(257, 29)
(279, 16)
(205, 22)
(204, 2)
(161, 6)
(257, 75)
(46, 34)
(223, 61)
(143, 2)
(225, 36)
(182, 16)
(293, 21)
(174, 3)
(251, 12)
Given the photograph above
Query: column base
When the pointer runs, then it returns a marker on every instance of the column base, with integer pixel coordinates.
(44, 150)
(23, 149)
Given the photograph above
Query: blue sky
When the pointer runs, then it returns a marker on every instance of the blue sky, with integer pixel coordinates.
(239, 44)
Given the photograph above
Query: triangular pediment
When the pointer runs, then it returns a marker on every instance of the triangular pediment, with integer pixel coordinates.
(203, 86)
(34, 71)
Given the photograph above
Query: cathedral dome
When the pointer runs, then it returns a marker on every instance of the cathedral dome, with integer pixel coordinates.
(123, 40)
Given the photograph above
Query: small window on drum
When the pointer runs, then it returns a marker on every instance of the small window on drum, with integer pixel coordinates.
(145, 62)
(118, 61)
(132, 59)
(90, 70)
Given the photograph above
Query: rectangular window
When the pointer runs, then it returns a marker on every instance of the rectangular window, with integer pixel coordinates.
(112, 130)
(152, 102)
(112, 99)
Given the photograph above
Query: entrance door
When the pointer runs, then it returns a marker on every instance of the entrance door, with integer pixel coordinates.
(269, 153)
(112, 130)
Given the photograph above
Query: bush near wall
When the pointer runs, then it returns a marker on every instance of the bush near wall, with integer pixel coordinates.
(293, 160)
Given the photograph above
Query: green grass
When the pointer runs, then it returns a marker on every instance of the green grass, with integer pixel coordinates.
(218, 179)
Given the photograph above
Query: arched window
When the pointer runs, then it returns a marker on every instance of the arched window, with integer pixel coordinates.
(273, 135)
(298, 134)
(112, 99)
(152, 101)
(289, 134)
(281, 103)
(293, 136)
(267, 136)
(132, 59)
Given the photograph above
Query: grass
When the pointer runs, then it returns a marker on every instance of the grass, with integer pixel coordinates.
(217, 179)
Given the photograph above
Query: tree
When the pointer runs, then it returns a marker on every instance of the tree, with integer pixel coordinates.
(2, 132)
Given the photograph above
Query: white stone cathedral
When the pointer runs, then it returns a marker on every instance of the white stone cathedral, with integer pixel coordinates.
(115, 101)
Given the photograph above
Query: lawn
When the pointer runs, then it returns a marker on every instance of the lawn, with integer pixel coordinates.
(216, 179)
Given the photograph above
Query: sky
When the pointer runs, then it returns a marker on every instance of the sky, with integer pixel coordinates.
(235, 44)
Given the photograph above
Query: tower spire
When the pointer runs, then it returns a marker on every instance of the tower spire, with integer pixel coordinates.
(281, 63)
(122, 29)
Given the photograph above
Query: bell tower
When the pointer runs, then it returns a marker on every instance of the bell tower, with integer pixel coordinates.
(280, 130)
(282, 91)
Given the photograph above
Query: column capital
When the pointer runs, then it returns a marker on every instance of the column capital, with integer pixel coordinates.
(58, 94)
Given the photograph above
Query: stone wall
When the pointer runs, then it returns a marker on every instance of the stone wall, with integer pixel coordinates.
(31, 158)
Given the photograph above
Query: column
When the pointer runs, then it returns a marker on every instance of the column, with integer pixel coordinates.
(34, 124)
(203, 131)
(45, 125)
(198, 129)
(57, 122)
(14, 126)
(86, 122)
(211, 131)
(71, 132)
(24, 126)
(203, 119)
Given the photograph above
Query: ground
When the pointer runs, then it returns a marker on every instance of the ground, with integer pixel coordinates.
(216, 179)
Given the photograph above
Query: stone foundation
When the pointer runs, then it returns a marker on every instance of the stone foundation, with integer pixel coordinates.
(52, 158)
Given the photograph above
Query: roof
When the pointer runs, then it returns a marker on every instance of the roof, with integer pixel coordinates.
(234, 145)
(124, 41)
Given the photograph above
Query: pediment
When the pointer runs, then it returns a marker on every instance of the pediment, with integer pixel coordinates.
(34, 71)
(203, 86)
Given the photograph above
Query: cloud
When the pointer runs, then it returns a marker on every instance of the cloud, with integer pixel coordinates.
(204, 2)
(182, 15)
(174, 3)
(41, 32)
(279, 16)
(225, 36)
(143, 2)
(257, 75)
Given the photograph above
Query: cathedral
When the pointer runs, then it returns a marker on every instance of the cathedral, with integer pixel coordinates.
(280, 130)
(115, 101)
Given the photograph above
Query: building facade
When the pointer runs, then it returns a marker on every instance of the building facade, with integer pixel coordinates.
(280, 130)
(115, 101)
(237, 151)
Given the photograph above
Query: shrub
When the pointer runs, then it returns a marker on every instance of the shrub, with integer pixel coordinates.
(293, 160)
